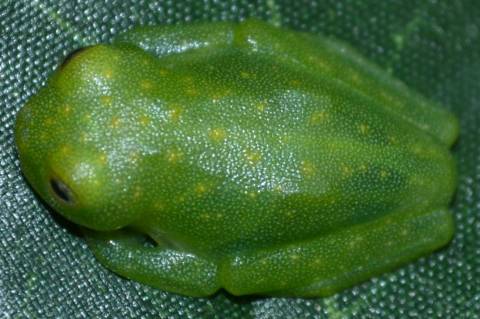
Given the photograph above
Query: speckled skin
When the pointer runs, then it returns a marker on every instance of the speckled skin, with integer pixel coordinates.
(260, 160)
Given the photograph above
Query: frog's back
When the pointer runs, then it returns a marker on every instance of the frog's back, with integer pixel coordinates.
(264, 151)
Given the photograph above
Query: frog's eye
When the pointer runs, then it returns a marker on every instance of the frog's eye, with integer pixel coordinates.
(62, 191)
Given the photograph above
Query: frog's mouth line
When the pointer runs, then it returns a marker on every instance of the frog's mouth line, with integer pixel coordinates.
(62, 191)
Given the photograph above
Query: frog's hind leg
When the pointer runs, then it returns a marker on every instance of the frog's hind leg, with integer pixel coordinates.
(330, 263)
(126, 254)
(336, 60)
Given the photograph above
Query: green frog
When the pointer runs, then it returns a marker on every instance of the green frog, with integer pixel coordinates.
(240, 156)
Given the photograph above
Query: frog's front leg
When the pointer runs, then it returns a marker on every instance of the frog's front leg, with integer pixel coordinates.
(125, 253)
(330, 263)
(167, 40)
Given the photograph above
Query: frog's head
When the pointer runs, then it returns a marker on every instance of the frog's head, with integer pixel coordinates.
(65, 142)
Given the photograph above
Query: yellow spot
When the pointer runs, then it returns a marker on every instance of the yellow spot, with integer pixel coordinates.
(393, 140)
(115, 122)
(278, 189)
(253, 157)
(363, 167)
(219, 95)
(355, 241)
(317, 261)
(331, 146)
(201, 189)
(67, 109)
(261, 106)
(285, 139)
(108, 73)
(106, 100)
(417, 180)
(83, 137)
(307, 168)
(320, 63)
(65, 150)
(219, 215)
(388, 97)
(252, 194)
(137, 193)
(144, 120)
(87, 117)
(215, 98)
(48, 121)
(318, 117)
(217, 134)
(383, 173)
(191, 91)
(346, 170)
(103, 159)
(355, 78)
(159, 205)
(205, 216)
(163, 72)
(417, 149)
(294, 256)
(363, 128)
(176, 113)
(134, 156)
(146, 84)
(245, 75)
(425, 126)
(295, 83)
(174, 156)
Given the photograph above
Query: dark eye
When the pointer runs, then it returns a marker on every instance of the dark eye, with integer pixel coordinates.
(71, 55)
(62, 191)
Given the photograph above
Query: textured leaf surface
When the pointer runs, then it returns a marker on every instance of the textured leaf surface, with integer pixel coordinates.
(46, 270)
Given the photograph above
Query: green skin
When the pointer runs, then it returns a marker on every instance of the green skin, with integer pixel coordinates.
(259, 160)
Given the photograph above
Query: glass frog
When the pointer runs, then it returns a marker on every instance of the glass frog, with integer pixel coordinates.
(240, 156)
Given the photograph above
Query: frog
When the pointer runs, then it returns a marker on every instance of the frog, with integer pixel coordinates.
(240, 156)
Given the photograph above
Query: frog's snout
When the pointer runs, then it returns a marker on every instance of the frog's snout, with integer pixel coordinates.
(81, 67)
(73, 55)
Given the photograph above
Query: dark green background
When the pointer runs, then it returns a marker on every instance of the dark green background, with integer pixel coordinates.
(47, 271)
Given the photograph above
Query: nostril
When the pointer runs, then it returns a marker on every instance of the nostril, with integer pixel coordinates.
(62, 191)
(71, 55)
